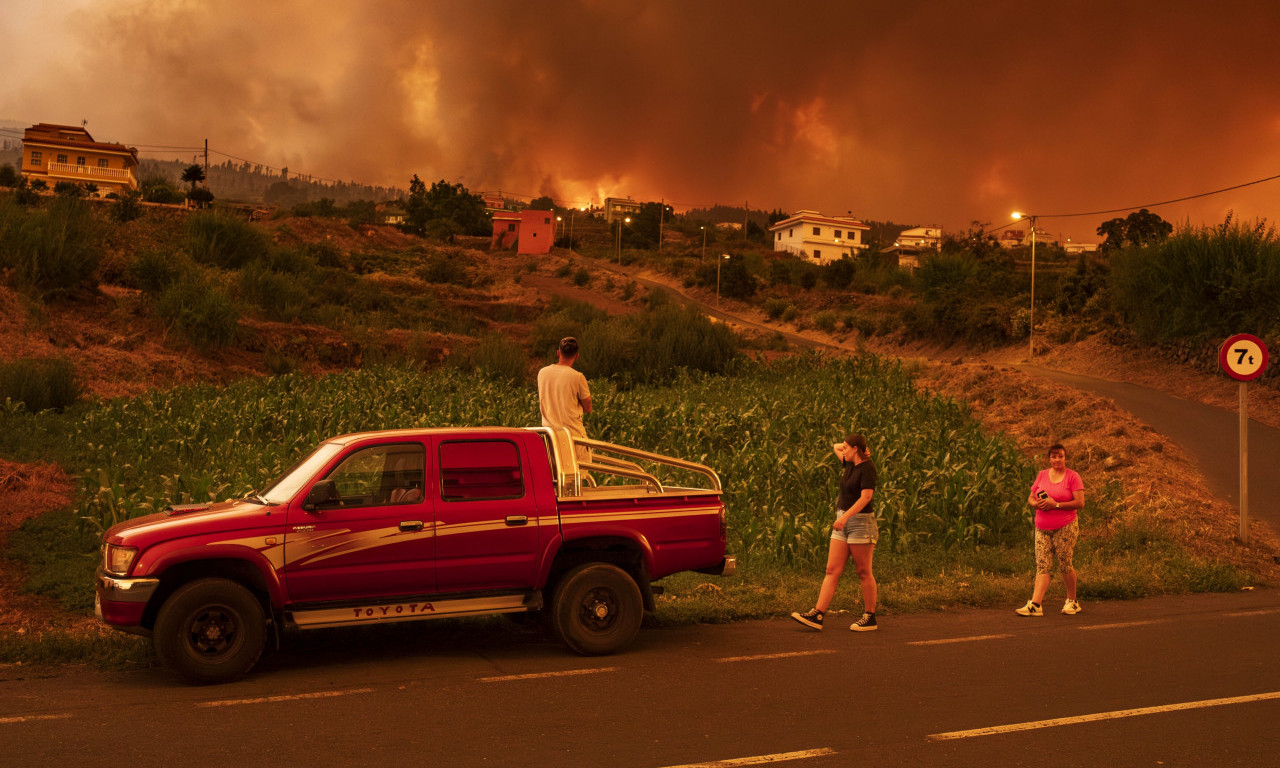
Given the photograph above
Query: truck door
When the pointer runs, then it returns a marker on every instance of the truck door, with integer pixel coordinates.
(487, 525)
(374, 538)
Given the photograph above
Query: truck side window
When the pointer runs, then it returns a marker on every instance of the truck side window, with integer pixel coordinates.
(473, 470)
(379, 475)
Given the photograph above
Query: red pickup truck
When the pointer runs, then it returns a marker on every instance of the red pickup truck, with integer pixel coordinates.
(403, 525)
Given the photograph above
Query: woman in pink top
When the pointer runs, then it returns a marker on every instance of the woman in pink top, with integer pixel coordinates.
(1057, 496)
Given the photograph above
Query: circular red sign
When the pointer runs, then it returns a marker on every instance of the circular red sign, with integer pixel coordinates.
(1243, 357)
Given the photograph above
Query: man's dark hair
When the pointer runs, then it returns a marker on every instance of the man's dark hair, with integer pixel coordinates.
(568, 346)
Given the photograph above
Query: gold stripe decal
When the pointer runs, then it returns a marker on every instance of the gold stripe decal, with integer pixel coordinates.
(389, 612)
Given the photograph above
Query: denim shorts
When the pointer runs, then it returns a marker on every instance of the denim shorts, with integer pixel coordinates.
(861, 529)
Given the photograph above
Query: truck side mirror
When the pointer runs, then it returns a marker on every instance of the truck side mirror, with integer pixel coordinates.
(322, 494)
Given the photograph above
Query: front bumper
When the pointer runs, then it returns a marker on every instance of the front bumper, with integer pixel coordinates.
(122, 602)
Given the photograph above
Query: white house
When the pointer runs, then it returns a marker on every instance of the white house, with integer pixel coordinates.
(820, 238)
(920, 239)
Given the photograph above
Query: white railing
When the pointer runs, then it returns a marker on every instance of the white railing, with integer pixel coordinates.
(89, 172)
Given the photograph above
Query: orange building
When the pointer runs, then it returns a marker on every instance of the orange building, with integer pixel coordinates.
(528, 231)
(68, 153)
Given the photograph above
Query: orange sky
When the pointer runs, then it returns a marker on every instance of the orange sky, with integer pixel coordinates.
(915, 112)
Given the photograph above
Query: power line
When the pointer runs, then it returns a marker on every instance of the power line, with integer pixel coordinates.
(1166, 202)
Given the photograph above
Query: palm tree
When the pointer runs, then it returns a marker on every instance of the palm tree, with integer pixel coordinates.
(193, 175)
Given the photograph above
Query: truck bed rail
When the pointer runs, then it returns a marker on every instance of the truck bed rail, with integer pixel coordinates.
(573, 480)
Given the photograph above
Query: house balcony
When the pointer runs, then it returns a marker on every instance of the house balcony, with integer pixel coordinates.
(85, 173)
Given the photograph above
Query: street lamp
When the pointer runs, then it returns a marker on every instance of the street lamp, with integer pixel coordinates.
(1031, 325)
(559, 226)
(620, 223)
(703, 257)
(723, 258)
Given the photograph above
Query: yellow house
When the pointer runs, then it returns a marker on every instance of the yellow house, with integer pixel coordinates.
(68, 153)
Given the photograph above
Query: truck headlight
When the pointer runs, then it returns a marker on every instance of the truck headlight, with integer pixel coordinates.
(118, 559)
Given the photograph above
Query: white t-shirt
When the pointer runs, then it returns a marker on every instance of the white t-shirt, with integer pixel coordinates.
(561, 390)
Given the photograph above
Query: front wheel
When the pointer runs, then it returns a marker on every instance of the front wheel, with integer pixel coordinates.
(597, 609)
(210, 631)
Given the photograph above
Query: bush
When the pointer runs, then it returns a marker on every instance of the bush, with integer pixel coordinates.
(562, 318)
(1201, 284)
(651, 347)
(154, 270)
(68, 189)
(54, 251)
(825, 320)
(447, 267)
(126, 207)
(774, 308)
(497, 357)
(196, 308)
(158, 189)
(279, 296)
(224, 240)
(39, 384)
(581, 277)
(200, 197)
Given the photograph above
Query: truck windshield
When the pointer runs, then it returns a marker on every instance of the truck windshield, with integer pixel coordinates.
(288, 484)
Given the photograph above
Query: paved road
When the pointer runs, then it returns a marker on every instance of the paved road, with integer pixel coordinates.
(973, 688)
(1208, 434)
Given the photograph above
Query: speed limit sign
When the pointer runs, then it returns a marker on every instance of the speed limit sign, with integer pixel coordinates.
(1243, 357)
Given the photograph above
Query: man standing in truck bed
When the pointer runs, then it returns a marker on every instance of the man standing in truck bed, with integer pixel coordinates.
(563, 395)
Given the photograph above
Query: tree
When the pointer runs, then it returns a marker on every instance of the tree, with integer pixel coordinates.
(193, 174)
(8, 176)
(444, 210)
(1140, 229)
(543, 203)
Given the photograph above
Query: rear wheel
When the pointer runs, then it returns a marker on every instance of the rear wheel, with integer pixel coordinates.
(210, 631)
(597, 609)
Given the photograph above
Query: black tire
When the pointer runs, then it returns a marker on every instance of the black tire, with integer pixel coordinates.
(597, 609)
(210, 631)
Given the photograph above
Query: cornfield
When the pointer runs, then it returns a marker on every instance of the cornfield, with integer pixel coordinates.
(767, 429)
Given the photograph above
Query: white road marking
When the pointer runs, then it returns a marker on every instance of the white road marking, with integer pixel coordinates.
(29, 718)
(1119, 713)
(1259, 612)
(774, 655)
(291, 697)
(970, 639)
(1120, 624)
(780, 757)
(538, 675)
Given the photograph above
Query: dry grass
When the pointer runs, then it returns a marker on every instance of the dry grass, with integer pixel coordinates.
(1108, 445)
(27, 491)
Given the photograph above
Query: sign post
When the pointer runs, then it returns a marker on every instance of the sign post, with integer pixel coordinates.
(1243, 357)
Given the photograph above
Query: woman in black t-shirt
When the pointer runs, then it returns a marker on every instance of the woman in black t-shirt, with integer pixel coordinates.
(854, 535)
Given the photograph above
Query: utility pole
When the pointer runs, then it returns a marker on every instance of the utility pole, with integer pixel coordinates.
(746, 213)
(206, 162)
(662, 213)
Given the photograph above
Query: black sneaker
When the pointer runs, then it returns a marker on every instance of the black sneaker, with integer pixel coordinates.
(812, 619)
(865, 624)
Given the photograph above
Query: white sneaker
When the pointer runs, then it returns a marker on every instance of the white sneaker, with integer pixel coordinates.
(1030, 609)
(1071, 607)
